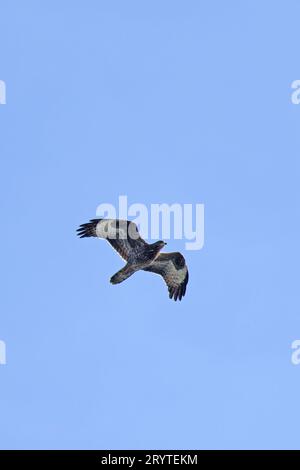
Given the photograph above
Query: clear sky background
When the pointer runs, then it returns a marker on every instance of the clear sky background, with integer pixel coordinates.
(163, 101)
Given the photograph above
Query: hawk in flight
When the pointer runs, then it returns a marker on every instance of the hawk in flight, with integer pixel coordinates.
(124, 237)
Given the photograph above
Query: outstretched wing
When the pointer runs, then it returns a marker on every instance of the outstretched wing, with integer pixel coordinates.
(123, 235)
(172, 267)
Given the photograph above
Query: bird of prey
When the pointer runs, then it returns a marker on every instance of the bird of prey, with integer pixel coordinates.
(124, 237)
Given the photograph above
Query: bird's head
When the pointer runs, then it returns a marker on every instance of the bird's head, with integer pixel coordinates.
(160, 244)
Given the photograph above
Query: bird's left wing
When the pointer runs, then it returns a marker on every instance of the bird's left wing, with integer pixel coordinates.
(173, 269)
(123, 235)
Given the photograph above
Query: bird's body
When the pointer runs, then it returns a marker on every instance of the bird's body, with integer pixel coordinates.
(144, 255)
(124, 237)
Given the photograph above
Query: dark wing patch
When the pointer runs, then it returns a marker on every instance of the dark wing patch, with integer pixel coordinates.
(173, 269)
(123, 235)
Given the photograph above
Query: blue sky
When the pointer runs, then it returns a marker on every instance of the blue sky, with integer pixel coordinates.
(164, 101)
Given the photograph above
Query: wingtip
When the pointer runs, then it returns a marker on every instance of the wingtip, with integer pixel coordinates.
(88, 229)
(177, 293)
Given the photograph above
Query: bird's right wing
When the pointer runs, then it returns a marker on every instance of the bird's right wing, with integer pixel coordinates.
(123, 235)
(173, 269)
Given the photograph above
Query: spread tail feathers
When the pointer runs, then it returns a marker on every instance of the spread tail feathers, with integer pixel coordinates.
(123, 274)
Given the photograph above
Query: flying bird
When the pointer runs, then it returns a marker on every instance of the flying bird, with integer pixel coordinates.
(124, 237)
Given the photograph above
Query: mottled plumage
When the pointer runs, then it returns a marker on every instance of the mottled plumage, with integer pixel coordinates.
(124, 237)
